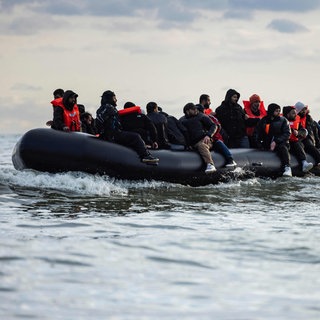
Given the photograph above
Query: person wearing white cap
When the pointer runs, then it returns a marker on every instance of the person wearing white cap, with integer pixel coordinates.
(311, 141)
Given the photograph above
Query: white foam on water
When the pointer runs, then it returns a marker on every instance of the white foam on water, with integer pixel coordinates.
(74, 182)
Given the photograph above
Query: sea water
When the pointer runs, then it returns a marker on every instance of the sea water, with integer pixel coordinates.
(80, 246)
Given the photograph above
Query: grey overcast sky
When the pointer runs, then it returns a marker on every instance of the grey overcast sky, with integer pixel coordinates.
(165, 51)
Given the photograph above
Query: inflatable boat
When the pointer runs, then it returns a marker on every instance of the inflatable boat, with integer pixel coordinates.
(54, 151)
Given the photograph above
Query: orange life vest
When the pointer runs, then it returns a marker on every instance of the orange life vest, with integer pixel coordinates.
(303, 122)
(56, 102)
(135, 109)
(248, 111)
(294, 125)
(71, 118)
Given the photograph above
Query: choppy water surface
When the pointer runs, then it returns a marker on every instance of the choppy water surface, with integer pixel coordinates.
(77, 246)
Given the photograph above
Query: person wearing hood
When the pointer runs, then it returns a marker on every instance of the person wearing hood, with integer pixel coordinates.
(311, 142)
(272, 133)
(109, 128)
(254, 108)
(296, 145)
(66, 115)
(233, 120)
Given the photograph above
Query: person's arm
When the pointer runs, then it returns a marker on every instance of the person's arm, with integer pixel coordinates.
(58, 120)
(257, 136)
(210, 125)
(285, 132)
(252, 122)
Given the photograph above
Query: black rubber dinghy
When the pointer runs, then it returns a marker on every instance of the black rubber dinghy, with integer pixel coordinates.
(54, 151)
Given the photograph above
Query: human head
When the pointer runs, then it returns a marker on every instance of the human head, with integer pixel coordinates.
(254, 102)
(200, 107)
(69, 99)
(232, 96)
(301, 108)
(190, 109)
(204, 100)
(151, 107)
(109, 97)
(87, 117)
(289, 112)
(82, 108)
(58, 93)
(273, 110)
(129, 104)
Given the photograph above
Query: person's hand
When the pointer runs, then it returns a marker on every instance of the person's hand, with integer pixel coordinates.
(302, 133)
(66, 129)
(272, 145)
(155, 145)
(206, 140)
(295, 132)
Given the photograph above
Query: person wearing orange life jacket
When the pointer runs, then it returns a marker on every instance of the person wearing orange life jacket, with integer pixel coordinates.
(311, 142)
(132, 119)
(255, 110)
(66, 115)
(296, 145)
(217, 139)
(272, 133)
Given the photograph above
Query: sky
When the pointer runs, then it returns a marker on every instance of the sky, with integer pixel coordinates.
(165, 51)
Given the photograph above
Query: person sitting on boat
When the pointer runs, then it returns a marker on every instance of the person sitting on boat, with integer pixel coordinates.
(217, 140)
(57, 97)
(272, 133)
(296, 145)
(311, 142)
(66, 115)
(132, 119)
(204, 106)
(87, 123)
(232, 118)
(200, 130)
(254, 108)
(109, 128)
(161, 124)
(177, 133)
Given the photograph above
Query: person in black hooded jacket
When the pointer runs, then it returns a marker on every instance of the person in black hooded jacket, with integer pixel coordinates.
(232, 118)
(272, 133)
(66, 115)
(109, 128)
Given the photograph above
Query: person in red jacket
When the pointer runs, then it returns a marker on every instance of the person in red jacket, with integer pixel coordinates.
(66, 115)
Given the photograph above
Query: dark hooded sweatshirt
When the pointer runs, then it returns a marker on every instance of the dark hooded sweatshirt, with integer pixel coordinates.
(279, 129)
(232, 118)
(58, 119)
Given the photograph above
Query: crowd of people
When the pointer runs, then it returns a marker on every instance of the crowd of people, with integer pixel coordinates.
(286, 131)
